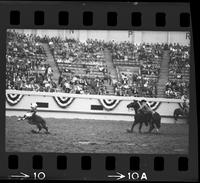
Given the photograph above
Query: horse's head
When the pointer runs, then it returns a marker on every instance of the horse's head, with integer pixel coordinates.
(133, 105)
(130, 105)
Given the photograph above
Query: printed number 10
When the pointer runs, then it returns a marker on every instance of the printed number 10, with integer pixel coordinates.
(39, 176)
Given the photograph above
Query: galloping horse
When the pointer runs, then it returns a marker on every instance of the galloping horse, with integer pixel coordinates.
(35, 120)
(151, 119)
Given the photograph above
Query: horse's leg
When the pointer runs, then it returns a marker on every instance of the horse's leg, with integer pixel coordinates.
(45, 127)
(151, 126)
(146, 120)
(156, 125)
(176, 118)
(157, 130)
(132, 127)
(140, 127)
(39, 127)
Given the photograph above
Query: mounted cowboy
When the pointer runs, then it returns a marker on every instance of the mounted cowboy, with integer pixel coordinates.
(34, 119)
(32, 112)
(34, 108)
(144, 114)
(146, 110)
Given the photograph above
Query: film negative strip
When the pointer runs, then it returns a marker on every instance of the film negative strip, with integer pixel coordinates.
(101, 91)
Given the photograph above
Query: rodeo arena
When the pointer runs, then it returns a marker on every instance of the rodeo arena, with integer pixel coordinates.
(97, 91)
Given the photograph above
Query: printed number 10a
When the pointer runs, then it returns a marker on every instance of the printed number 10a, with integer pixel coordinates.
(137, 176)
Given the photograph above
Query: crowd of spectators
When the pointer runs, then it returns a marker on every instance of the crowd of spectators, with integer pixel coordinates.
(75, 51)
(147, 57)
(179, 61)
(176, 89)
(83, 69)
(85, 85)
(135, 85)
(122, 51)
(179, 68)
(26, 66)
(70, 54)
(81, 64)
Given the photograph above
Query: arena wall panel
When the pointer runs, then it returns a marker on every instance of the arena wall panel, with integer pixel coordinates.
(80, 107)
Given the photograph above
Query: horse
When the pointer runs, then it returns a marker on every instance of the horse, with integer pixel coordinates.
(180, 112)
(37, 120)
(153, 119)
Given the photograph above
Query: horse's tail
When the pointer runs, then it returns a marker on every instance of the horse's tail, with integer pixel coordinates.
(157, 119)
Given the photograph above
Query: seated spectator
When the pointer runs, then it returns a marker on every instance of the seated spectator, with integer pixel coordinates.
(84, 70)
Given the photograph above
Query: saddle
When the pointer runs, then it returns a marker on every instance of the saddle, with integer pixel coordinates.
(147, 116)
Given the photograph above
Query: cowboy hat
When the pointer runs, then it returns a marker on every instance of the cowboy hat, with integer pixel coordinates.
(33, 105)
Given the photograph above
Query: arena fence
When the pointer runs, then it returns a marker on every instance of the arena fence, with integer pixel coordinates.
(97, 107)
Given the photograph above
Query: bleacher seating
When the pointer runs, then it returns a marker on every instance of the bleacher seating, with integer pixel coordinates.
(145, 56)
(179, 71)
(83, 68)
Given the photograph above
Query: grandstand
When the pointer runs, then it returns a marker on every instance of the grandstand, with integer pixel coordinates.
(55, 64)
(179, 71)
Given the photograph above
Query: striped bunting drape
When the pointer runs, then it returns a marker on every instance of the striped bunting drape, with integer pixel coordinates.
(63, 101)
(13, 99)
(152, 104)
(109, 104)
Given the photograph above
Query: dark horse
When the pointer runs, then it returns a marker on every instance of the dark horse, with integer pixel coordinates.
(34, 119)
(180, 112)
(153, 120)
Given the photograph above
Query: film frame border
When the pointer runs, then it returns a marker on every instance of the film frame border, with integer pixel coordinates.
(75, 11)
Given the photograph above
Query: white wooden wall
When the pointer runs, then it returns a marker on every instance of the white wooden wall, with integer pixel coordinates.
(137, 37)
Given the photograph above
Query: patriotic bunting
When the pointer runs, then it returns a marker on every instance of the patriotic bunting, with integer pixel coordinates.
(13, 99)
(109, 104)
(63, 101)
(153, 105)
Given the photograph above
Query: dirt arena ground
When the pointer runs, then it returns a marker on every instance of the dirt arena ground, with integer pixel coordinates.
(89, 136)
